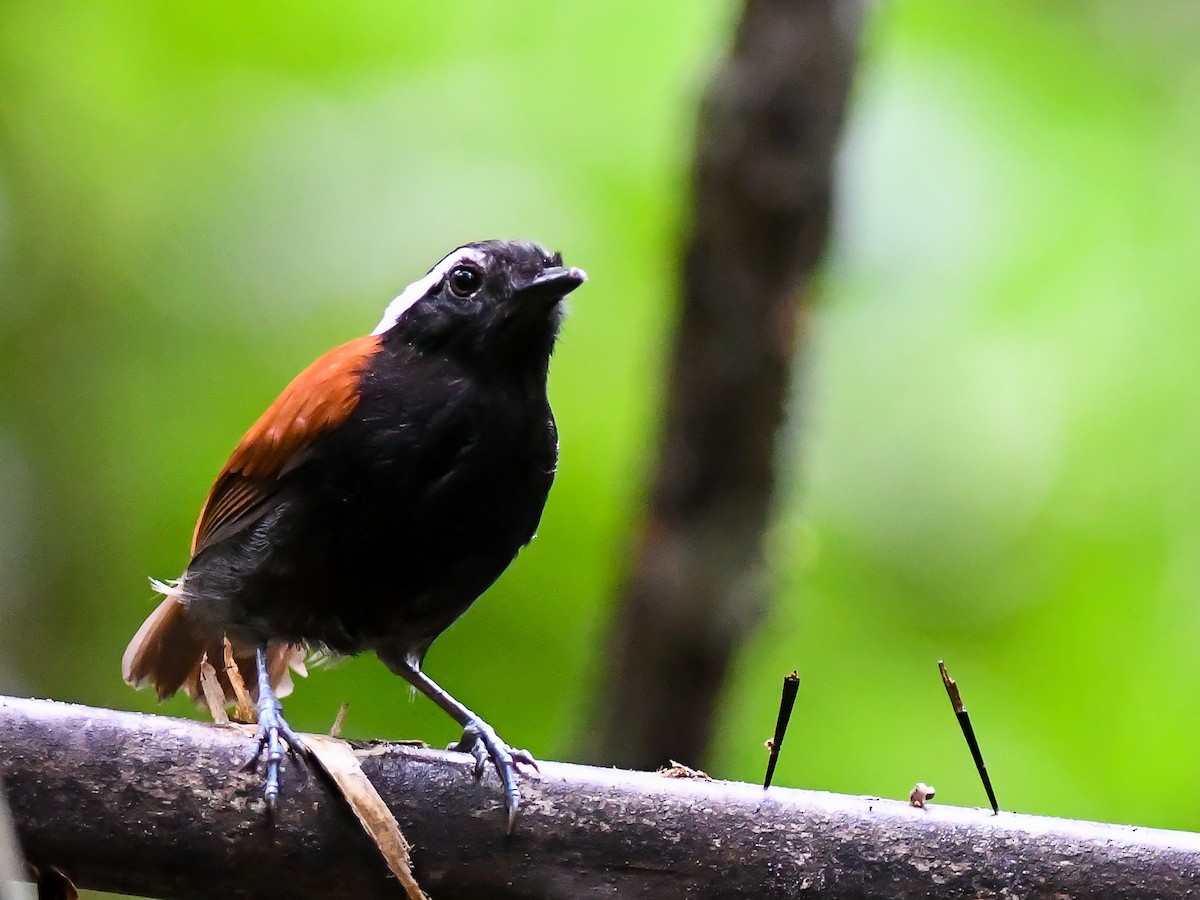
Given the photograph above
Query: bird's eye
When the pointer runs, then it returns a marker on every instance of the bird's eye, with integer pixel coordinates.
(465, 281)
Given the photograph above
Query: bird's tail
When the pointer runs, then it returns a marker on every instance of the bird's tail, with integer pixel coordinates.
(170, 647)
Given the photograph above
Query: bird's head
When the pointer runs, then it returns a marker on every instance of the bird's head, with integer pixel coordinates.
(492, 299)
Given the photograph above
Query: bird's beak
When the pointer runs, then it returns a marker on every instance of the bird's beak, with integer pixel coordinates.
(557, 282)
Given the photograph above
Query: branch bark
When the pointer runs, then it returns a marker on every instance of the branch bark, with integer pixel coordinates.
(156, 806)
(768, 132)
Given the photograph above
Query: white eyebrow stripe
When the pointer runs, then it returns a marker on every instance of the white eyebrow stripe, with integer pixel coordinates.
(421, 287)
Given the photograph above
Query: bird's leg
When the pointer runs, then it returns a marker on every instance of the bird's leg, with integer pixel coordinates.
(479, 738)
(272, 727)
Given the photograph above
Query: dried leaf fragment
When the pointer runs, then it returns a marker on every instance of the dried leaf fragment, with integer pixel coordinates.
(921, 794)
(214, 696)
(339, 761)
(679, 770)
(339, 720)
(246, 710)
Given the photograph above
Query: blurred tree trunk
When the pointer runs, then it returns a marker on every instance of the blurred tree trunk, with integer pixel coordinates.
(767, 136)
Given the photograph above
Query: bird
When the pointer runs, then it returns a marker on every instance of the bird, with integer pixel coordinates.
(384, 490)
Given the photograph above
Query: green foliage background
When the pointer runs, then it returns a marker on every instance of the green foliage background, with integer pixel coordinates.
(993, 457)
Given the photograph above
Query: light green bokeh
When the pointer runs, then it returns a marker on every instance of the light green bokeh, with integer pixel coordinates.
(996, 459)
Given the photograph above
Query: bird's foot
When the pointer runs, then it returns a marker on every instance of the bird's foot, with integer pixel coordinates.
(273, 733)
(481, 741)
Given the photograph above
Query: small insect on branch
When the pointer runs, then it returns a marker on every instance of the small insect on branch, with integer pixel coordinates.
(964, 721)
(791, 685)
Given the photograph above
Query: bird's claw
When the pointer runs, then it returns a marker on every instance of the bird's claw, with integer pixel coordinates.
(481, 741)
(273, 733)
(471, 743)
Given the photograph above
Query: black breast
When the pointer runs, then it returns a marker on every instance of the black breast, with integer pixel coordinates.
(402, 517)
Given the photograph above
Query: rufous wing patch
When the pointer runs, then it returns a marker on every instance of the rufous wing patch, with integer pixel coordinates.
(318, 399)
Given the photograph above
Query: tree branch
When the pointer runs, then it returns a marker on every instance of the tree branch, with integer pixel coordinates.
(768, 132)
(156, 806)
